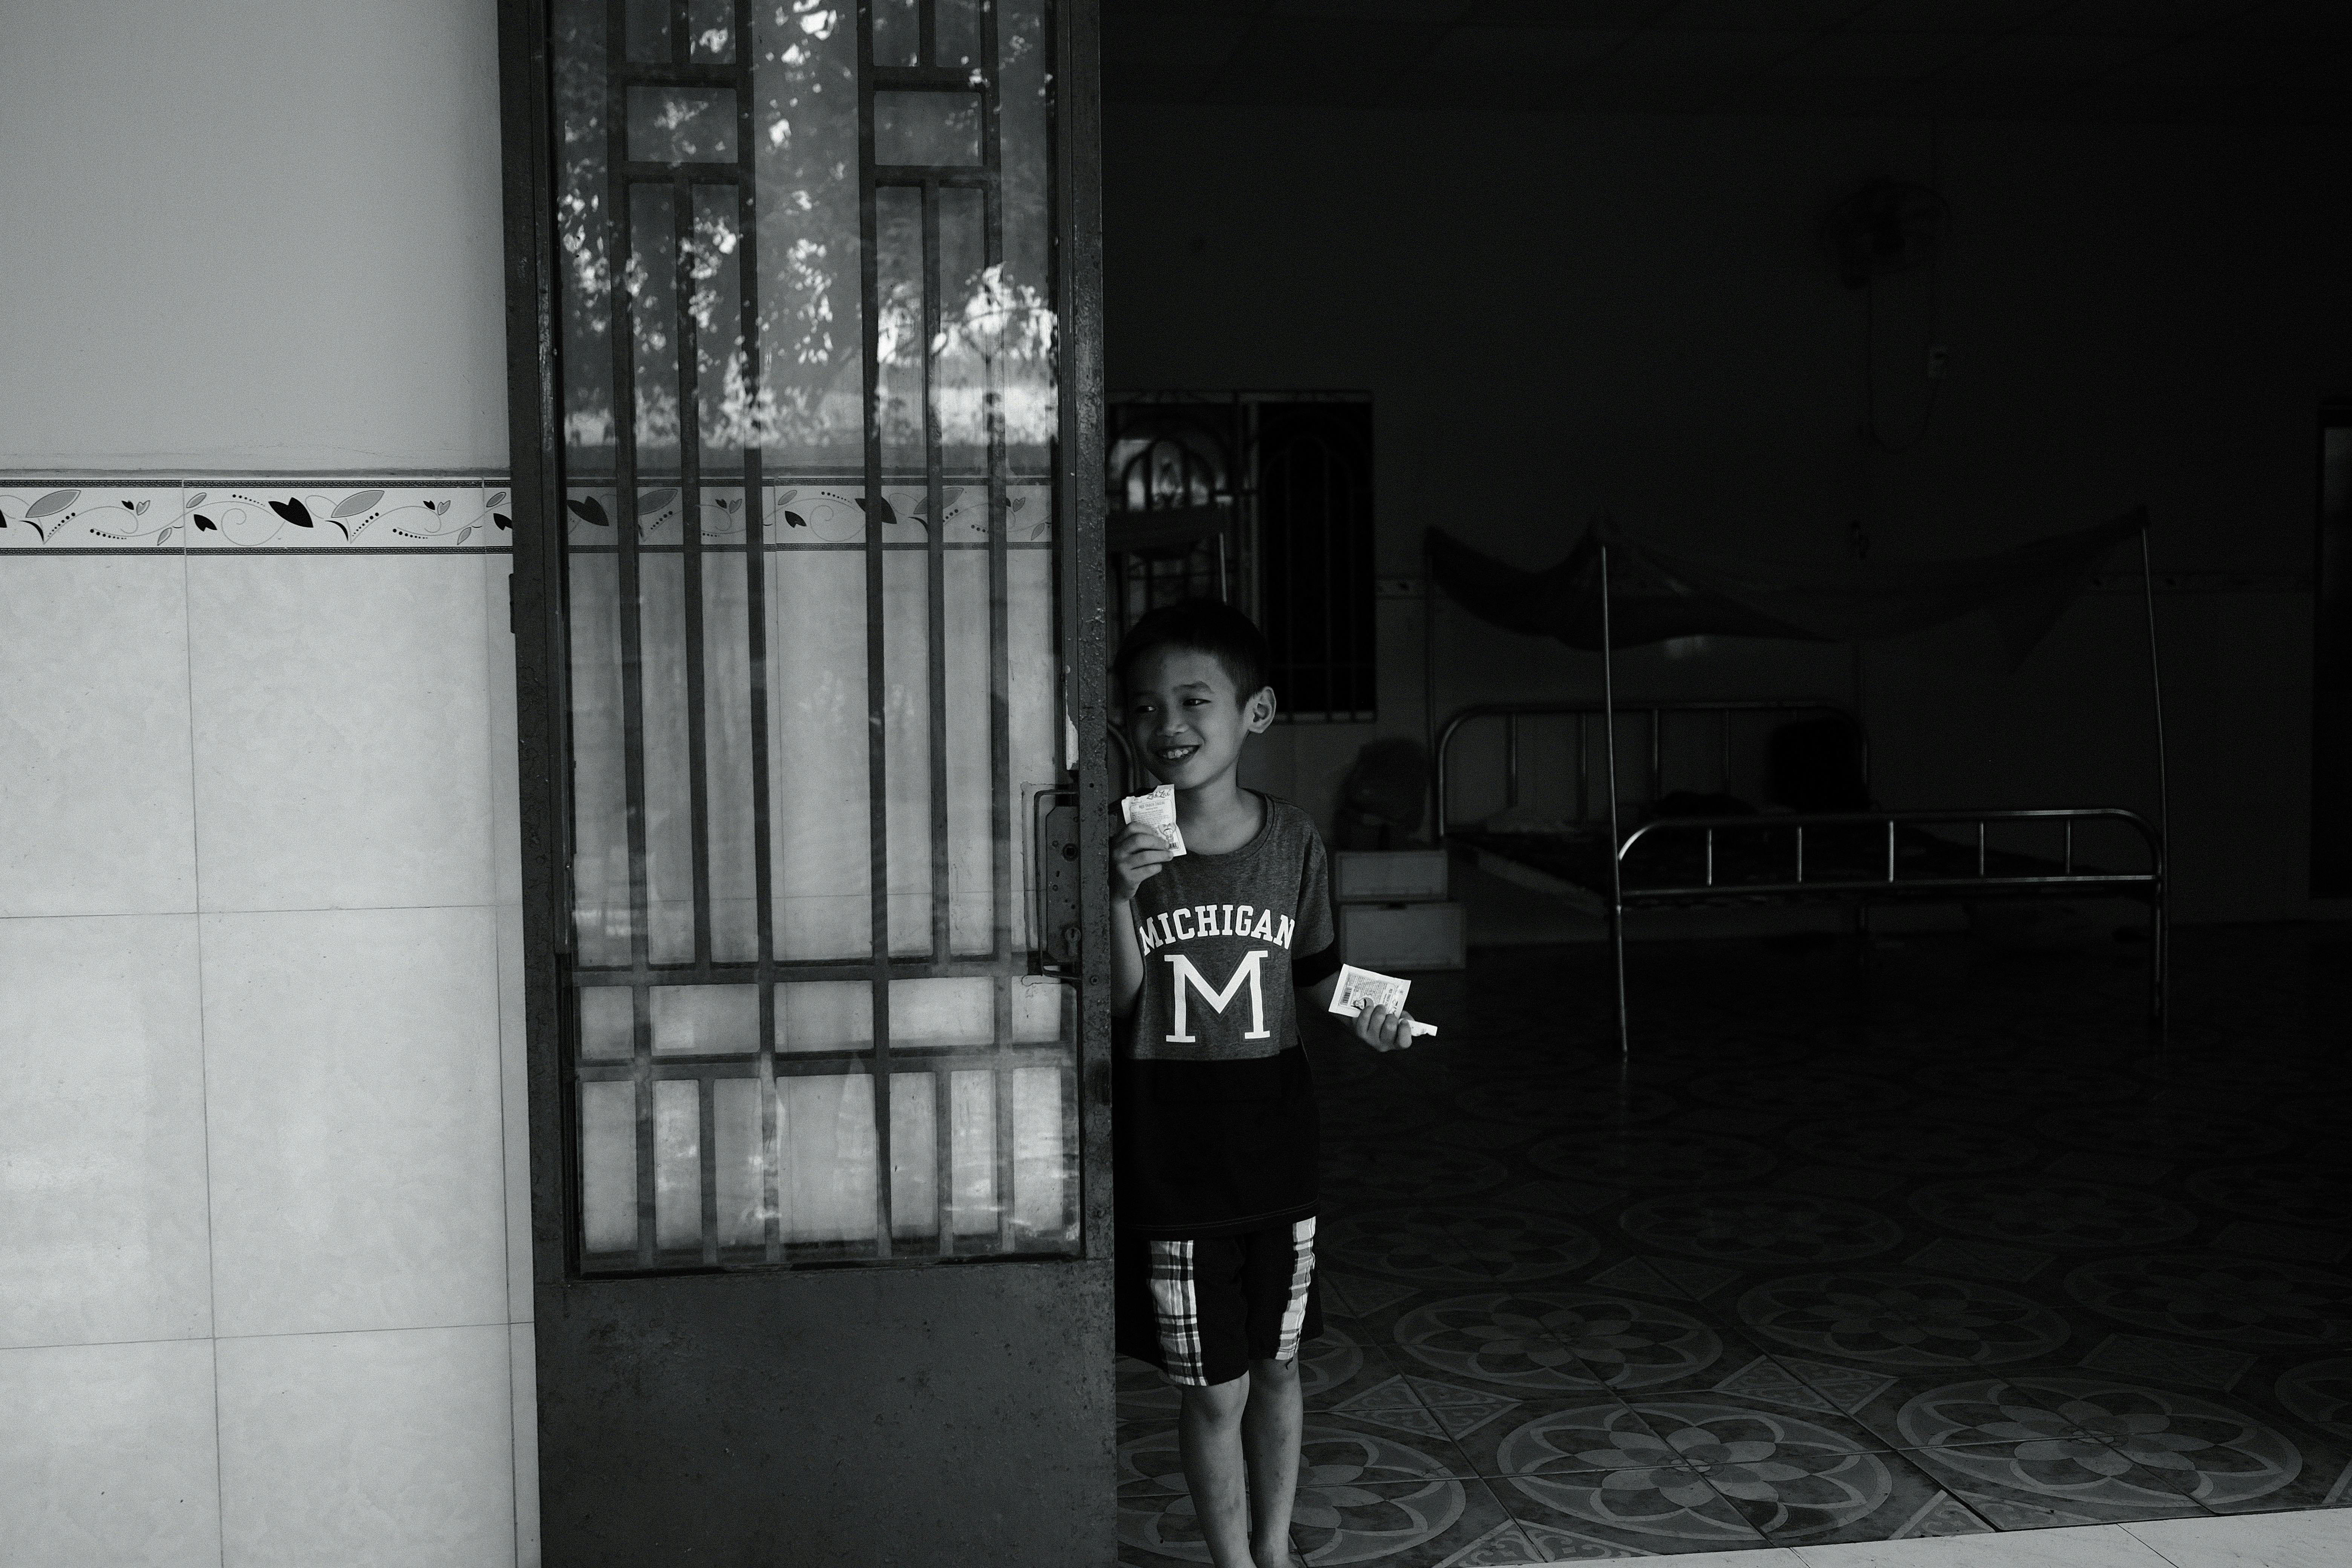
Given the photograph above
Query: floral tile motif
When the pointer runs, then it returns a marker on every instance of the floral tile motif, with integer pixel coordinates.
(1507, 1339)
(2293, 1243)
(2293, 1193)
(2095, 1444)
(1903, 1320)
(1677, 1279)
(1846, 1390)
(1365, 1296)
(2168, 1134)
(1393, 1403)
(305, 514)
(2320, 1393)
(1752, 1228)
(1361, 1497)
(1606, 1104)
(1601, 1469)
(1413, 1175)
(1443, 1244)
(1945, 1149)
(2119, 1168)
(1980, 1259)
(1646, 1158)
(2218, 1296)
(1561, 1197)
(2168, 1360)
(1507, 1543)
(1770, 1091)
(2053, 1212)
(67, 514)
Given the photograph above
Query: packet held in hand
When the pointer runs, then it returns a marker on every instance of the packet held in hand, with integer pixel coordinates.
(1361, 988)
(1156, 811)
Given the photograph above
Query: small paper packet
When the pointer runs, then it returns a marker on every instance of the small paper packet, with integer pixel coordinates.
(1156, 811)
(1361, 988)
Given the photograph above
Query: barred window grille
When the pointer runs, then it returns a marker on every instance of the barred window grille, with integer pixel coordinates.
(1265, 501)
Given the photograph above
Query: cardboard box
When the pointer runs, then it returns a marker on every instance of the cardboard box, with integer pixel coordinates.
(1397, 939)
(1388, 875)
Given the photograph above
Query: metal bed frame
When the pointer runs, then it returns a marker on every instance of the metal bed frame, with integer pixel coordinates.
(2152, 885)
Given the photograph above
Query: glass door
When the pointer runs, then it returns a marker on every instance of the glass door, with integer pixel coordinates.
(809, 414)
(803, 306)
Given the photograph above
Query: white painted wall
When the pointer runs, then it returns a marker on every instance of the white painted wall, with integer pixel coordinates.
(250, 233)
(265, 1291)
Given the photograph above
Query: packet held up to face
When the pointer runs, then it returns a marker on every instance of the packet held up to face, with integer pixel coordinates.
(1361, 988)
(1156, 811)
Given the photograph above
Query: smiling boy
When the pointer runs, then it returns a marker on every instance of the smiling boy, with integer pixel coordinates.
(1216, 1132)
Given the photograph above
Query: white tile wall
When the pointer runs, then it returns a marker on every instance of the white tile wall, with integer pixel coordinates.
(341, 713)
(98, 818)
(261, 1068)
(101, 1132)
(353, 1090)
(106, 1455)
(389, 1449)
(523, 1370)
(514, 1074)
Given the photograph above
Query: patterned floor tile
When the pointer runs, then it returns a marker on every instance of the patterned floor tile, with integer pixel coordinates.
(1599, 1474)
(1899, 1322)
(1344, 1516)
(1949, 1220)
(1798, 1499)
(1676, 1278)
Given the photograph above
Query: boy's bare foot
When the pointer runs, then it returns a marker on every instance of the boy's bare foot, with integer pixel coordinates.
(1285, 1558)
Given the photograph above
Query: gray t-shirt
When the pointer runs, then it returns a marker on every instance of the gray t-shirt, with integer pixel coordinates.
(1216, 1105)
(1220, 934)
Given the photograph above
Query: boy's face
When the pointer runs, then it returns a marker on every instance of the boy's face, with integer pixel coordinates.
(1184, 718)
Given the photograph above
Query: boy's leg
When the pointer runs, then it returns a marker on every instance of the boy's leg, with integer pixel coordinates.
(1280, 1281)
(1270, 1430)
(1208, 1438)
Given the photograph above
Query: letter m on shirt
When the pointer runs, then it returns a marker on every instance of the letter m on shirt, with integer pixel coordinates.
(1188, 979)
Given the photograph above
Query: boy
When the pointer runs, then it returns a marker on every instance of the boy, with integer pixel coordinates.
(1216, 1128)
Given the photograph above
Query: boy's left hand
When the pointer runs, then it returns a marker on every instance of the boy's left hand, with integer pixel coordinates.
(1382, 1028)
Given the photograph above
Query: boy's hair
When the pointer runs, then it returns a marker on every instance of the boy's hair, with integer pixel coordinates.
(1203, 626)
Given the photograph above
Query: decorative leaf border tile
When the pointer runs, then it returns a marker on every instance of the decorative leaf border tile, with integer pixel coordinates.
(342, 515)
(303, 514)
(818, 512)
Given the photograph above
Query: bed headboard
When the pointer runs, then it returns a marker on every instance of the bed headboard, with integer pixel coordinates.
(1735, 724)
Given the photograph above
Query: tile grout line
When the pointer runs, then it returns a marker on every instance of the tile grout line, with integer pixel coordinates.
(2150, 1546)
(200, 913)
(203, 1056)
(275, 1334)
(497, 993)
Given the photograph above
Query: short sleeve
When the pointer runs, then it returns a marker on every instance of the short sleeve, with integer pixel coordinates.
(1318, 938)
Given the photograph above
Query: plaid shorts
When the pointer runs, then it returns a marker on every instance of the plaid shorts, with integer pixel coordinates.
(1219, 1303)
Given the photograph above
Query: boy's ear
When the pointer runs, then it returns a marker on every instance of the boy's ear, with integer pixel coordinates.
(1260, 710)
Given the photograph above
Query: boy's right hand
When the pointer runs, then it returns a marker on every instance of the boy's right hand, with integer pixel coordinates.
(1137, 855)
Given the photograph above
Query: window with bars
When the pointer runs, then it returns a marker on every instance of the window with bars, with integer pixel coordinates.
(1263, 499)
(810, 404)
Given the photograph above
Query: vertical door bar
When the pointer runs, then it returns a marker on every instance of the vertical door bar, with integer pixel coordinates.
(755, 602)
(1000, 638)
(624, 540)
(935, 553)
(876, 669)
(689, 501)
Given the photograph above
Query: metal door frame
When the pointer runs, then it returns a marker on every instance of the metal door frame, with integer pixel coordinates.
(537, 611)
